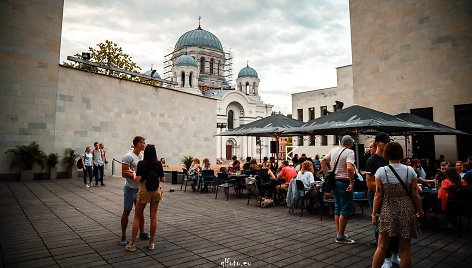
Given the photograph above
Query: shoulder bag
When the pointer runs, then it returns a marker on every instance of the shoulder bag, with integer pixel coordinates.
(408, 193)
(330, 178)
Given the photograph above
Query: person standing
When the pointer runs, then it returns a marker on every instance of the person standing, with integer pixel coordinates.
(148, 169)
(98, 164)
(399, 202)
(87, 166)
(128, 171)
(342, 192)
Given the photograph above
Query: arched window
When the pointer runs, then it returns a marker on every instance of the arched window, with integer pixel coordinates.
(190, 77)
(240, 87)
(230, 119)
(202, 65)
(247, 88)
(182, 77)
(211, 65)
(254, 88)
(219, 65)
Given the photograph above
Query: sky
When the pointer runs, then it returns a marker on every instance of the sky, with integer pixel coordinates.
(294, 45)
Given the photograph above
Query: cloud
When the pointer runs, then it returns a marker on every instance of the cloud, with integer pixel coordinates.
(293, 45)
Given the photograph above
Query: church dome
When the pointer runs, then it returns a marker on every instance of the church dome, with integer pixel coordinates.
(153, 73)
(247, 72)
(185, 60)
(198, 38)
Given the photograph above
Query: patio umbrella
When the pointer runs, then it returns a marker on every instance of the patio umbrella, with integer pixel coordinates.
(436, 128)
(357, 119)
(270, 126)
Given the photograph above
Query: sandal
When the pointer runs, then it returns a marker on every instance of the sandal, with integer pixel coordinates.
(151, 246)
(130, 247)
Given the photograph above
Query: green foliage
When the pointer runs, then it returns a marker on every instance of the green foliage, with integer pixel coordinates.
(25, 156)
(69, 157)
(187, 161)
(110, 54)
(52, 159)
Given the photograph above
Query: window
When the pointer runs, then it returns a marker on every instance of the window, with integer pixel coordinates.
(219, 66)
(336, 140)
(190, 77)
(202, 65)
(230, 119)
(323, 110)
(300, 114)
(212, 61)
(324, 140)
(182, 78)
(247, 88)
(300, 141)
(311, 113)
(312, 140)
(254, 88)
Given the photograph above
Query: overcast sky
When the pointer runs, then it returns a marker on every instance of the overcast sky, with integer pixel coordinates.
(294, 45)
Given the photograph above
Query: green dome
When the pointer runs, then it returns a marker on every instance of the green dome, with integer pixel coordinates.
(185, 60)
(153, 73)
(247, 72)
(198, 38)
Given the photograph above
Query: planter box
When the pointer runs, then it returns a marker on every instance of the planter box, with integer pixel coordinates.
(53, 173)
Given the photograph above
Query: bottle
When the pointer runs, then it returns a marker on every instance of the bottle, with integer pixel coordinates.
(435, 184)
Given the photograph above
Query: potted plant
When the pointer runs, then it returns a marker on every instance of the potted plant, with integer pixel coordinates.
(25, 156)
(51, 161)
(187, 161)
(69, 160)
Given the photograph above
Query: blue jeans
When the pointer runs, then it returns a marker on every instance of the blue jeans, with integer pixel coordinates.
(371, 195)
(129, 198)
(342, 199)
(88, 172)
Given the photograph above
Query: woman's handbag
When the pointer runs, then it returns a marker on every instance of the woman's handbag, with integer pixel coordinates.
(330, 178)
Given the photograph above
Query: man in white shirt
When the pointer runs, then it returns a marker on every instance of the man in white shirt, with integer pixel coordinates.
(128, 171)
(344, 184)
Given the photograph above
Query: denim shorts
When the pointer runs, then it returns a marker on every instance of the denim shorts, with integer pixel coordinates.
(129, 195)
(342, 199)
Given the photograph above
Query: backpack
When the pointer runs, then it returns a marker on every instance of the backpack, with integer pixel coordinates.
(79, 164)
(152, 180)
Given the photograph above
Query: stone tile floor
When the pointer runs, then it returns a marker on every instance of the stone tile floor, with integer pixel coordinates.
(63, 224)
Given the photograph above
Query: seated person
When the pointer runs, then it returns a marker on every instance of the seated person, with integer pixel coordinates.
(234, 168)
(247, 165)
(194, 172)
(285, 175)
(449, 186)
(306, 176)
(273, 166)
(468, 174)
(163, 162)
(420, 173)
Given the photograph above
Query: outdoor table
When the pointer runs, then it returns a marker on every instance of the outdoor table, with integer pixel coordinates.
(239, 181)
(430, 195)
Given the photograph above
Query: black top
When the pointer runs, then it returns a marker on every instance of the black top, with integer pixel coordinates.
(144, 167)
(374, 162)
(247, 165)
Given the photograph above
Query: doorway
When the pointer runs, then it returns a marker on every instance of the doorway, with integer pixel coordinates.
(463, 118)
(423, 145)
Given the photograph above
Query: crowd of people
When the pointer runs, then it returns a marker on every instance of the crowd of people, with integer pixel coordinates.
(93, 162)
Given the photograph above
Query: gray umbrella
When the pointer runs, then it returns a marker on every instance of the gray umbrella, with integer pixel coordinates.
(357, 119)
(436, 128)
(270, 126)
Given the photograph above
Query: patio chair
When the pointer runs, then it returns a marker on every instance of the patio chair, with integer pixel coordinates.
(264, 183)
(251, 186)
(224, 182)
(302, 198)
(187, 178)
(208, 178)
(461, 206)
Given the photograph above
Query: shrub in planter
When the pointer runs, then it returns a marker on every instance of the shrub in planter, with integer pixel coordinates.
(51, 161)
(187, 161)
(69, 159)
(25, 156)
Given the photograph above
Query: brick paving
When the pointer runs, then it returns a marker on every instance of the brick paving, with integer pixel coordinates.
(63, 224)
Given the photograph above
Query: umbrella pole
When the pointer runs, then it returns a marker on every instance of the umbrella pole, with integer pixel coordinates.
(357, 147)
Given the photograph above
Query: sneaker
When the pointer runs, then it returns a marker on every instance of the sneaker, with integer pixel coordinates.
(151, 246)
(123, 242)
(144, 236)
(395, 259)
(103, 184)
(87, 185)
(344, 240)
(130, 248)
(96, 184)
(387, 263)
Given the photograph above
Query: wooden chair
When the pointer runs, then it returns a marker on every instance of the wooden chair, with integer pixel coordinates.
(186, 179)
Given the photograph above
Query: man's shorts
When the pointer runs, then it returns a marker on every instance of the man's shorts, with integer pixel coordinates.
(129, 195)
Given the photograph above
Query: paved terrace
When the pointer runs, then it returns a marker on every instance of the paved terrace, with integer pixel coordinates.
(63, 224)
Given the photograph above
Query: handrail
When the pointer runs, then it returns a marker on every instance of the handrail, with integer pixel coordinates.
(113, 166)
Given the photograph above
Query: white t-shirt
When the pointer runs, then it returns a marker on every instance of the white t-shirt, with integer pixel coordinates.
(307, 179)
(132, 160)
(346, 157)
(386, 175)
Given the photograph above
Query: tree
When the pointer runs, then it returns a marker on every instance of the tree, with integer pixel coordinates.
(110, 54)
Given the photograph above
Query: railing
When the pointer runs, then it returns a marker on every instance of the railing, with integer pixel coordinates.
(113, 166)
(290, 150)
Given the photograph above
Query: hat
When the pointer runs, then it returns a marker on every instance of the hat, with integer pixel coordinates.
(347, 139)
(382, 137)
